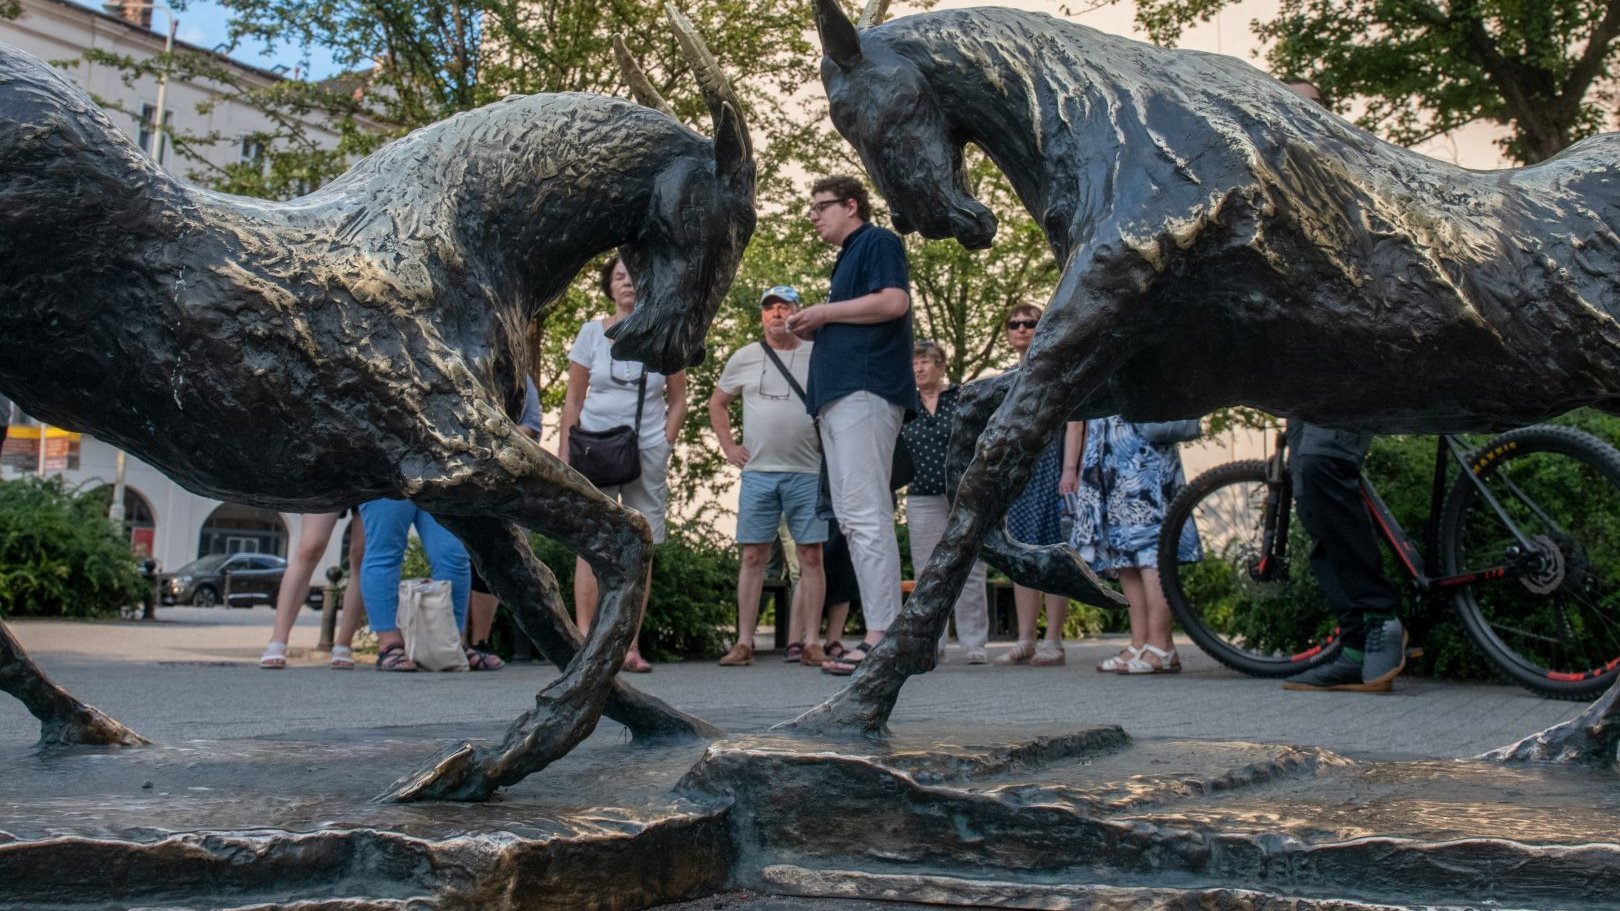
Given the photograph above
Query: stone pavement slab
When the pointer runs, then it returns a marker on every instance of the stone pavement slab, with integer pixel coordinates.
(194, 674)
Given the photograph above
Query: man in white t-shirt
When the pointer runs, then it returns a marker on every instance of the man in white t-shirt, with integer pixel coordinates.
(780, 458)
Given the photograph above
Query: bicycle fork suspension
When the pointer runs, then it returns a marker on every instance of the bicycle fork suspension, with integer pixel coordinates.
(1273, 563)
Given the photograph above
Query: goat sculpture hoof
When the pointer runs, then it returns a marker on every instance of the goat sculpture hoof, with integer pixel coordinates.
(458, 773)
(89, 727)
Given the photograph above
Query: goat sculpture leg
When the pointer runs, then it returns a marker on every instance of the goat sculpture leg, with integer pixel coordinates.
(523, 484)
(1590, 738)
(1055, 568)
(63, 720)
(1070, 357)
(503, 556)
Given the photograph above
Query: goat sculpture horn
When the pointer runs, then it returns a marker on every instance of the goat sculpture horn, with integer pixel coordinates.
(717, 91)
(640, 87)
(873, 14)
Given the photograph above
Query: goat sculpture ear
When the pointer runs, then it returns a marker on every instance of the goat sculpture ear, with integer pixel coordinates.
(733, 157)
(839, 39)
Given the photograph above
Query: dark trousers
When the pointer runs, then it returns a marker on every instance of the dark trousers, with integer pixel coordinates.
(1326, 469)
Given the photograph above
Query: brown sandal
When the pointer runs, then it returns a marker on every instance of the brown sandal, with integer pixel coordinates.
(393, 658)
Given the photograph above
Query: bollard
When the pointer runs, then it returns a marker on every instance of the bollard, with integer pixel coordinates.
(149, 571)
(522, 648)
(329, 607)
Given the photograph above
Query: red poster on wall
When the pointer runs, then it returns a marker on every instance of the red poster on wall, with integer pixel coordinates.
(141, 540)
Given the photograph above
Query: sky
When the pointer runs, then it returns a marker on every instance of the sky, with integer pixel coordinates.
(205, 24)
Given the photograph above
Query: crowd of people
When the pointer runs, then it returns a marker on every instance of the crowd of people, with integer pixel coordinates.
(842, 410)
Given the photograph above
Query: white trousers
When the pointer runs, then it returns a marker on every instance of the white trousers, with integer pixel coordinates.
(925, 517)
(858, 434)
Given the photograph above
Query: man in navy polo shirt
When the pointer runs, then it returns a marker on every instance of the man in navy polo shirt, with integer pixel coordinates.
(861, 388)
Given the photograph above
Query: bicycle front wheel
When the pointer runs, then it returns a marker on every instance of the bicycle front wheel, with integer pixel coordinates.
(1544, 605)
(1267, 621)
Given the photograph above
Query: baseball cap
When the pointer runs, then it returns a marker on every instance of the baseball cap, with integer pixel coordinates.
(781, 292)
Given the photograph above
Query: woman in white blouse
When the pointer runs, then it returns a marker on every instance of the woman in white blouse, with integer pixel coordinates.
(602, 395)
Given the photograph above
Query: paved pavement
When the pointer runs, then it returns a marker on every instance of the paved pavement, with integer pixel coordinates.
(193, 674)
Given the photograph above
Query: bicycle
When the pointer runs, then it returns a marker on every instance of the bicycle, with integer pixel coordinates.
(1527, 545)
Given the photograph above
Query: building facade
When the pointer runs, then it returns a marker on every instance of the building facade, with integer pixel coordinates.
(166, 521)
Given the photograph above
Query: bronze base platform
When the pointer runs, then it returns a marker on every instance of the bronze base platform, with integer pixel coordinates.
(992, 817)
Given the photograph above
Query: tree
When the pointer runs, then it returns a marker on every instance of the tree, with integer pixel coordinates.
(1541, 68)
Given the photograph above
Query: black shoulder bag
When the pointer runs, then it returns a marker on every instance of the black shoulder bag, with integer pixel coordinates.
(610, 457)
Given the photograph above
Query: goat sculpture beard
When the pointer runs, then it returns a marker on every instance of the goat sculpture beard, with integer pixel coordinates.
(366, 341)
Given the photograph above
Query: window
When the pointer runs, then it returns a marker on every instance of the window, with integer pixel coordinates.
(252, 149)
(148, 125)
(148, 120)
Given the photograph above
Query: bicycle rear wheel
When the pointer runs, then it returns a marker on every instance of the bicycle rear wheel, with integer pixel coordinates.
(1268, 624)
(1548, 616)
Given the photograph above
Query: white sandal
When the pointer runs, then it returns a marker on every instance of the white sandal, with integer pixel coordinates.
(1115, 664)
(342, 658)
(274, 657)
(1169, 662)
(1018, 653)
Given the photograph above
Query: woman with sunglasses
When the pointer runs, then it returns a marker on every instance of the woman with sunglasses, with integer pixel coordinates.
(602, 395)
(1036, 518)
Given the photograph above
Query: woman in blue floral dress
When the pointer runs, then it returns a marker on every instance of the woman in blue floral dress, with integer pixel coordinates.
(1036, 518)
(1126, 483)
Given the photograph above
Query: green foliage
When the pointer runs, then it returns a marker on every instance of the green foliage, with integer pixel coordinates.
(60, 556)
(10, 9)
(693, 607)
(1422, 68)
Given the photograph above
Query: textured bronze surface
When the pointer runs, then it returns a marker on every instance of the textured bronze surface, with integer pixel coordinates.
(63, 720)
(367, 340)
(1099, 822)
(1590, 738)
(971, 816)
(243, 823)
(1223, 242)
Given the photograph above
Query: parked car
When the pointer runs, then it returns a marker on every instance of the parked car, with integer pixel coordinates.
(237, 580)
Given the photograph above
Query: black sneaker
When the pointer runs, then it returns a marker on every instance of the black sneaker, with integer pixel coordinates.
(1342, 674)
(1386, 653)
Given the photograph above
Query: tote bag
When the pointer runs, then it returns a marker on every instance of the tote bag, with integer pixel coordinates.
(427, 617)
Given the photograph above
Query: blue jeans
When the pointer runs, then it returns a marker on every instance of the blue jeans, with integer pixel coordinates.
(388, 524)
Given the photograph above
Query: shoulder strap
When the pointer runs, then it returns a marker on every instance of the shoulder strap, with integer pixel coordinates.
(792, 383)
(641, 398)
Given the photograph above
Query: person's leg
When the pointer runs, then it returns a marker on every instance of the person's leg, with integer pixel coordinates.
(353, 603)
(758, 512)
(585, 594)
(800, 493)
(648, 495)
(1159, 620)
(859, 433)
(927, 516)
(1027, 604)
(923, 534)
(314, 534)
(841, 588)
(450, 562)
(387, 525)
(1153, 651)
(1347, 562)
(809, 597)
(837, 619)
(750, 585)
(972, 613)
(1130, 582)
(1049, 651)
(481, 608)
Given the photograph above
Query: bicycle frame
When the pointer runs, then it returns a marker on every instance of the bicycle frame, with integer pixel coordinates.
(1273, 563)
